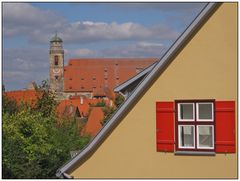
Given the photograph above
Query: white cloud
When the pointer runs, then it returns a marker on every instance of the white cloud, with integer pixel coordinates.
(21, 66)
(38, 25)
(24, 19)
(99, 31)
(81, 52)
(140, 49)
(148, 44)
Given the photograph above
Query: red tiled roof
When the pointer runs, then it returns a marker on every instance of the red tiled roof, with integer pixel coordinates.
(93, 124)
(64, 105)
(92, 75)
(26, 96)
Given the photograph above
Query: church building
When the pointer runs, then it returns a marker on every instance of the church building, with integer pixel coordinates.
(90, 77)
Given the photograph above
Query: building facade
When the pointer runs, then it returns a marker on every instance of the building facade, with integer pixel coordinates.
(199, 72)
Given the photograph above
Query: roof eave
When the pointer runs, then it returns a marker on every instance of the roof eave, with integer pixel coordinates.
(134, 78)
(141, 87)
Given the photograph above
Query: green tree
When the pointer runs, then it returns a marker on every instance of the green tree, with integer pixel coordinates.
(46, 101)
(119, 100)
(9, 105)
(35, 142)
(108, 111)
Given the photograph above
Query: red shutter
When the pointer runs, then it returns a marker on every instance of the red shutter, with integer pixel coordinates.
(165, 126)
(225, 126)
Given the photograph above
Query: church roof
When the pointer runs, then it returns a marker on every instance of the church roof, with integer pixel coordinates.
(94, 74)
(56, 38)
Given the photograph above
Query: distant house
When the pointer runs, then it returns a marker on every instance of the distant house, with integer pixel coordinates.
(84, 109)
(180, 121)
(93, 124)
(23, 96)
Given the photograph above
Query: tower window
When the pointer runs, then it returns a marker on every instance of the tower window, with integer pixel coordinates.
(56, 77)
(56, 60)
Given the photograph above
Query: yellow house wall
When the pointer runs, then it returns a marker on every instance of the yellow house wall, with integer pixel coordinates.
(205, 69)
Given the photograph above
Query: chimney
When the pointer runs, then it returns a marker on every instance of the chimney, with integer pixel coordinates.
(111, 103)
(81, 100)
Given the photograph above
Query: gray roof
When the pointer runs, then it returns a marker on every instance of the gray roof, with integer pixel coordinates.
(133, 79)
(56, 38)
(141, 88)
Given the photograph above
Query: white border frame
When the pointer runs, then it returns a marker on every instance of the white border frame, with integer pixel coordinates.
(179, 137)
(198, 147)
(197, 112)
(187, 120)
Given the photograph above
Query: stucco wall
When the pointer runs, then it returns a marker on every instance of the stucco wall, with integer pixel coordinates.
(205, 69)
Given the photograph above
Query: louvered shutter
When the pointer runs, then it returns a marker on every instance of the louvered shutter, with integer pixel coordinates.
(225, 126)
(165, 126)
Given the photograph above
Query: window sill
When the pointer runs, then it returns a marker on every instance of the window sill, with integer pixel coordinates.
(200, 153)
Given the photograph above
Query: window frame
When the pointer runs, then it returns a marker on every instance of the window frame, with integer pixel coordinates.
(196, 122)
(56, 60)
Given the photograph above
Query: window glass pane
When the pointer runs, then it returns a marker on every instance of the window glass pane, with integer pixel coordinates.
(186, 136)
(186, 111)
(205, 136)
(205, 111)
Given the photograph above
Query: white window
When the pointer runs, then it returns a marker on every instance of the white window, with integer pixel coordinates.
(195, 125)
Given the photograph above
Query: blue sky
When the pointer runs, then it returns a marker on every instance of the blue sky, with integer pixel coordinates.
(87, 30)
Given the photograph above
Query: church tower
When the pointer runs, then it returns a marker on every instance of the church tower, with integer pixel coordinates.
(56, 60)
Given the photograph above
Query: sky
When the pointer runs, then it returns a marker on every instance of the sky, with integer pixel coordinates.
(87, 30)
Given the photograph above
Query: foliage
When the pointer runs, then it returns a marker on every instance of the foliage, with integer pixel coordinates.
(107, 113)
(46, 102)
(9, 105)
(100, 104)
(119, 100)
(35, 142)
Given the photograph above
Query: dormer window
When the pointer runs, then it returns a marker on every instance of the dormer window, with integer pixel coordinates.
(56, 60)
